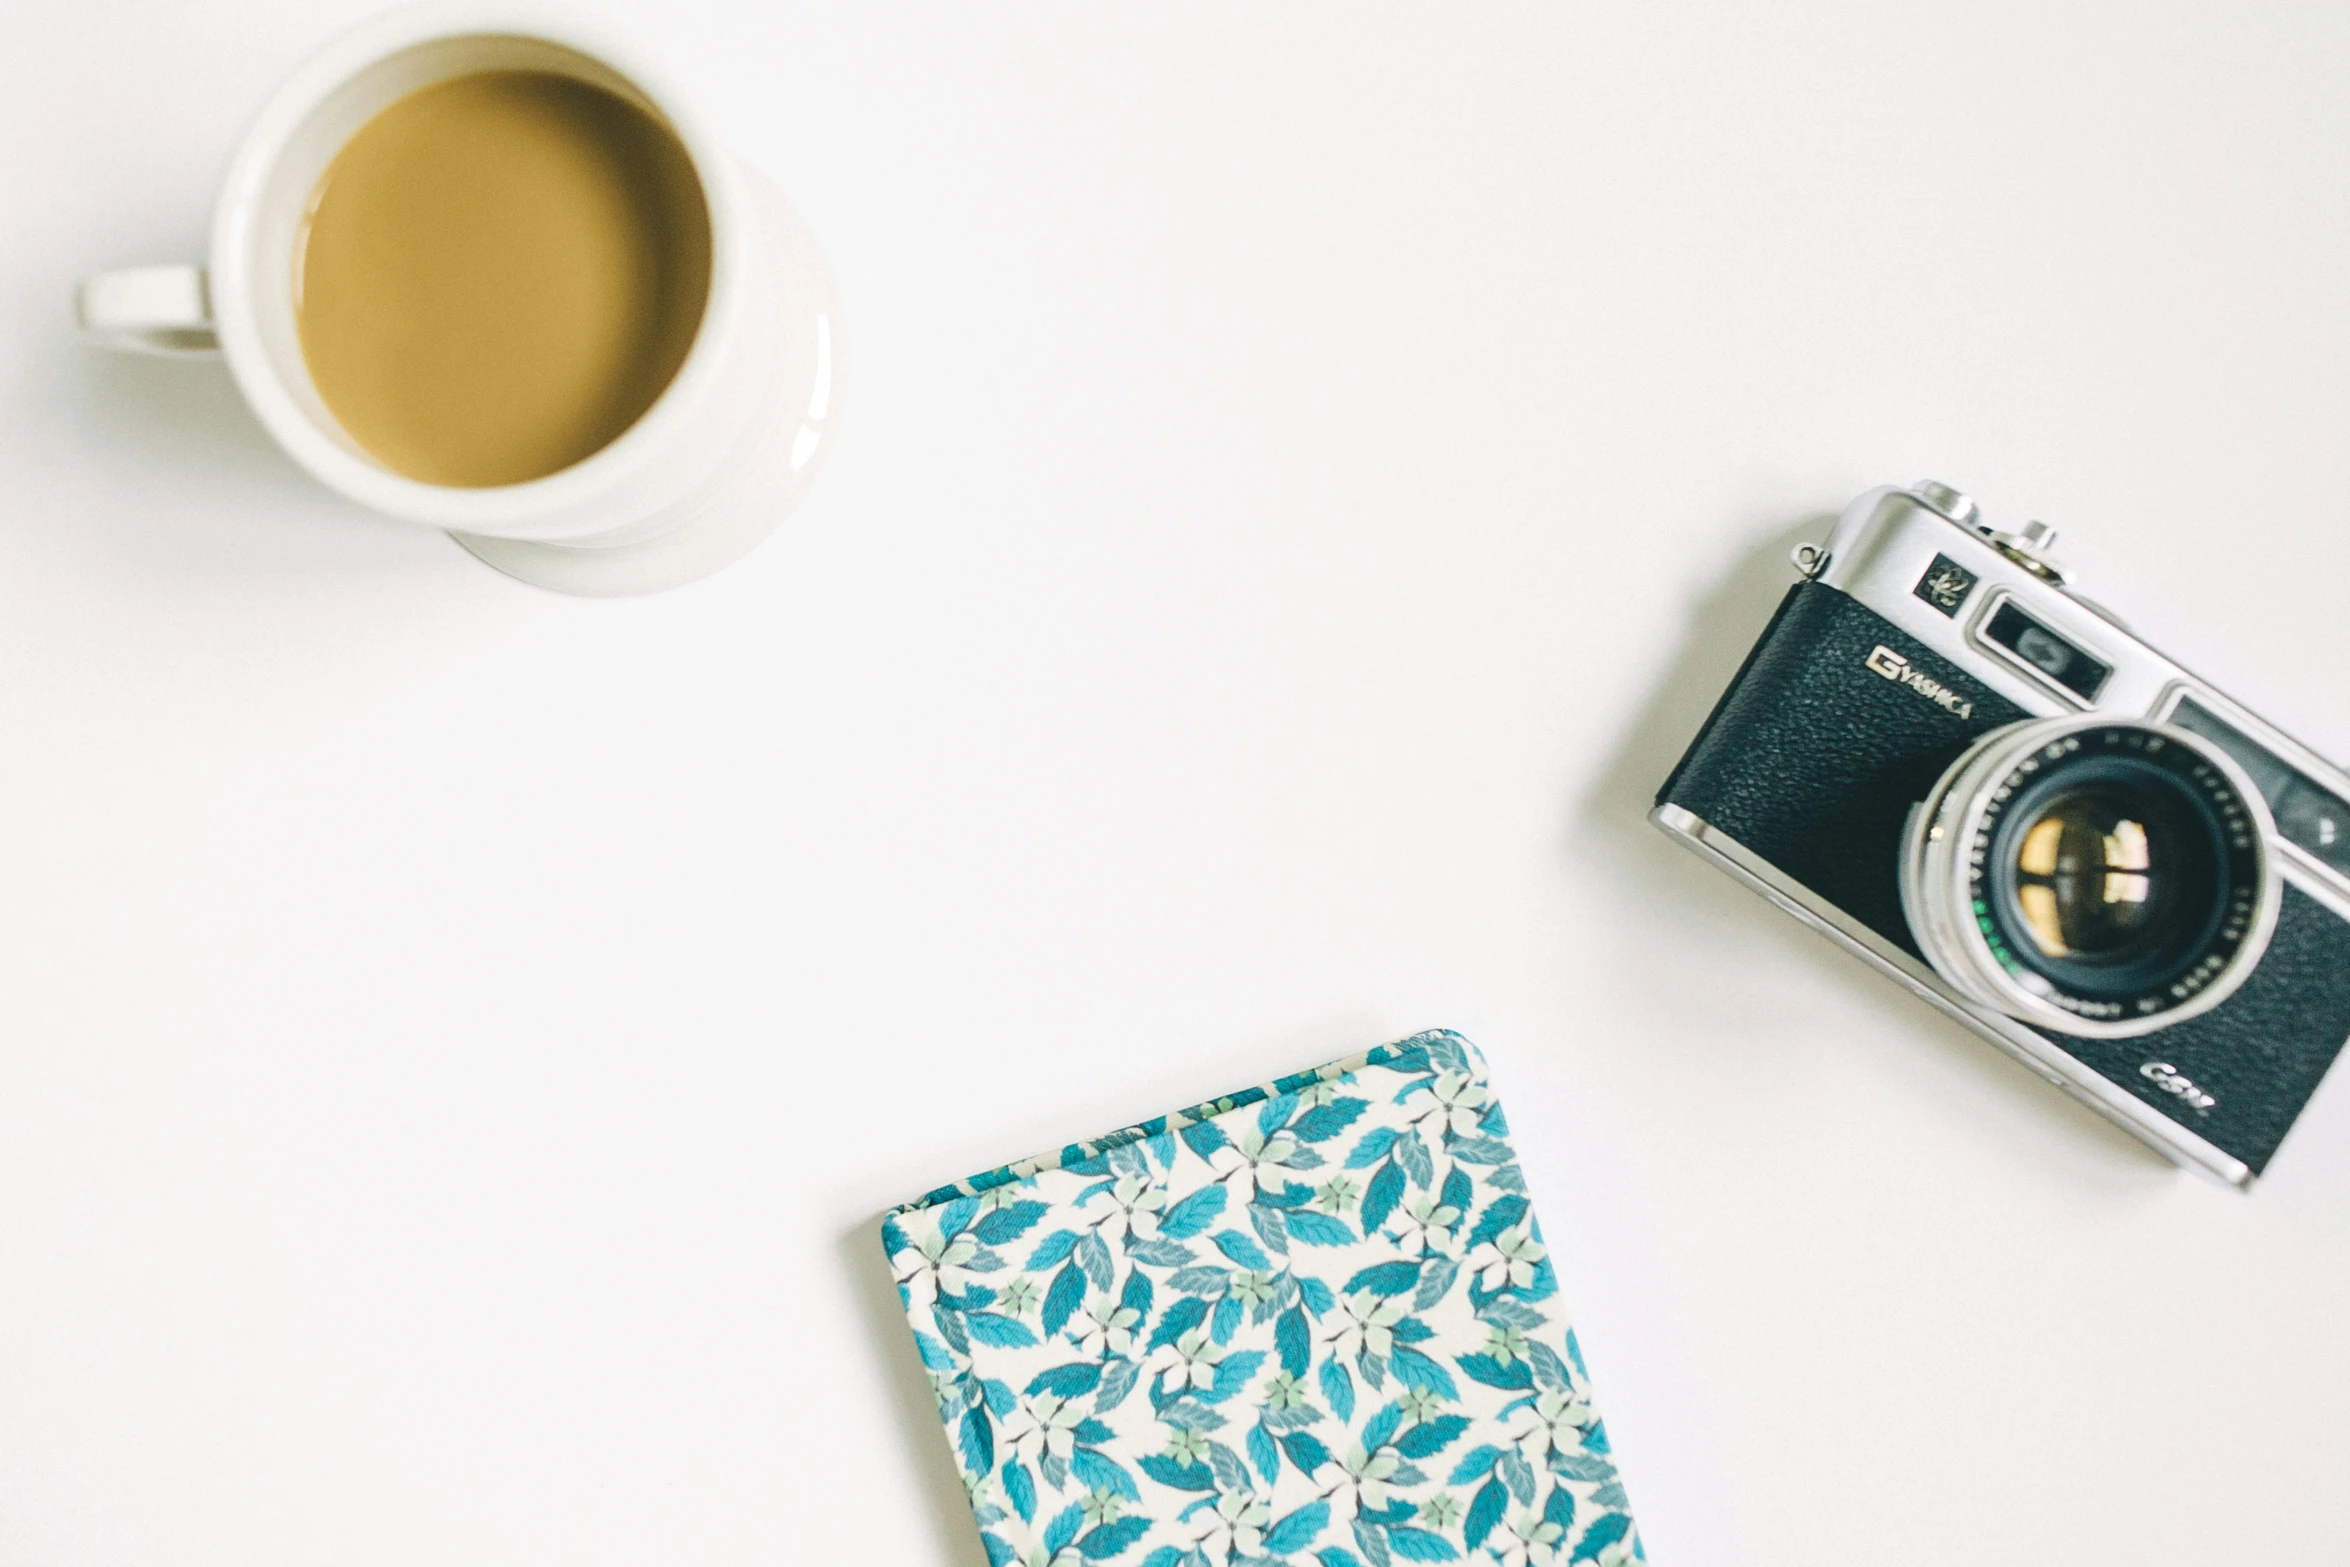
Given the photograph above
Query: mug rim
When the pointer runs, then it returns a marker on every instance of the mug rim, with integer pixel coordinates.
(493, 509)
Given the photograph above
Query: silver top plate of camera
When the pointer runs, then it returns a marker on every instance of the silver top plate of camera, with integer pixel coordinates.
(1999, 605)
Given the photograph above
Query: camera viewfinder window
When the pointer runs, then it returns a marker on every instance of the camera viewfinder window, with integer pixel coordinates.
(2312, 819)
(2078, 672)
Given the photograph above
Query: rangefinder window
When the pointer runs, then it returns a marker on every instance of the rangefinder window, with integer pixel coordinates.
(2312, 819)
(2079, 672)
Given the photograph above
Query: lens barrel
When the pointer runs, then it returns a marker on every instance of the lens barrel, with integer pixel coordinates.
(2095, 876)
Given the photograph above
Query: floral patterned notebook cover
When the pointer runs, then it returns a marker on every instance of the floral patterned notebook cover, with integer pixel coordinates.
(1311, 1323)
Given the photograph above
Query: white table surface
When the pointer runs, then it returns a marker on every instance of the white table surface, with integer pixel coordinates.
(1306, 473)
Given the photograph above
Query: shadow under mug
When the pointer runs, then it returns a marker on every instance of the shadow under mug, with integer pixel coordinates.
(712, 467)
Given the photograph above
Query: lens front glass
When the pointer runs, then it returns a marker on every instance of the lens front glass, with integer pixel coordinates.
(2110, 874)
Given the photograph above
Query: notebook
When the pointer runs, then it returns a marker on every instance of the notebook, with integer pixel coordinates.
(1311, 1322)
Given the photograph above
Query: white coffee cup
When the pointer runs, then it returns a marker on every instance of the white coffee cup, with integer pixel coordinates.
(710, 468)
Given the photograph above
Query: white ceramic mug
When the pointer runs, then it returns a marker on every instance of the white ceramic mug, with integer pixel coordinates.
(709, 470)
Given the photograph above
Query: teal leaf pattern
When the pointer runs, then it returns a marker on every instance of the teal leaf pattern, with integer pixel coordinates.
(1339, 1388)
(1193, 1214)
(1009, 1224)
(1418, 1545)
(1311, 1323)
(1242, 1250)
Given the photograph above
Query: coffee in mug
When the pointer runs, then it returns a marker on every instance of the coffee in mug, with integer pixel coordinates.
(498, 274)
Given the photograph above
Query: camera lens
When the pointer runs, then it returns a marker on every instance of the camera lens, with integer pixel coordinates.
(2094, 876)
(2116, 878)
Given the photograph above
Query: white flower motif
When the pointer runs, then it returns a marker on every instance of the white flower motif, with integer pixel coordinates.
(1235, 1528)
(1362, 1480)
(1424, 1225)
(939, 1265)
(1364, 1322)
(1104, 1326)
(1527, 1542)
(1251, 1289)
(1247, 1158)
(1043, 1424)
(1135, 1205)
(1509, 1257)
(1618, 1553)
(1193, 1358)
(1555, 1419)
(1187, 1446)
(1459, 1104)
(1421, 1404)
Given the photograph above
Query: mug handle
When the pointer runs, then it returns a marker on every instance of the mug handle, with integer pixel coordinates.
(149, 310)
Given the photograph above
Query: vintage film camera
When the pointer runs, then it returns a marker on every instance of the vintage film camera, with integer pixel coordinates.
(1988, 787)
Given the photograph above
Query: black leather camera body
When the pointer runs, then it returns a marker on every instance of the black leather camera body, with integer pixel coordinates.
(1988, 787)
